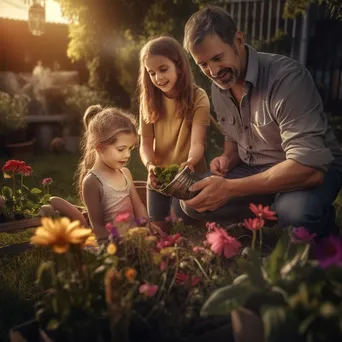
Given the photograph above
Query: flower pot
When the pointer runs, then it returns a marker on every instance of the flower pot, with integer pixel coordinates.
(179, 187)
(21, 150)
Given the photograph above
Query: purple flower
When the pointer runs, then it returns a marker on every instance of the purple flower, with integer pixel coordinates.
(112, 230)
(168, 219)
(141, 221)
(301, 235)
(329, 251)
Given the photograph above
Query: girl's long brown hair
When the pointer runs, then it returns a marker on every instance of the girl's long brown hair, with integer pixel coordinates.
(101, 127)
(151, 98)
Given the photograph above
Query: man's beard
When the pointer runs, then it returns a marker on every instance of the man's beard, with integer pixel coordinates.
(230, 77)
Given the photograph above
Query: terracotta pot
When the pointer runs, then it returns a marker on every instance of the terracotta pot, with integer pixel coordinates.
(179, 187)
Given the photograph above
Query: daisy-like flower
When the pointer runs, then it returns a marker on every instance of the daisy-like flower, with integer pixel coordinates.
(301, 235)
(149, 290)
(111, 248)
(17, 166)
(263, 212)
(184, 279)
(138, 231)
(60, 234)
(253, 224)
(222, 243)
(130, 274)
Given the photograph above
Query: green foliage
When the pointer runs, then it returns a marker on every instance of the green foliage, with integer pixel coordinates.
(13, 112)
(166, 175)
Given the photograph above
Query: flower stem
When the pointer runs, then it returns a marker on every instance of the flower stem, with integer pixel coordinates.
(253, 239)
(260, 238)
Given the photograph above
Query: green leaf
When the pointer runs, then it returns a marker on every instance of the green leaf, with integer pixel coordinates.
(225, 299)
(253, 269)
(280, 325)
(7, 192)
(276, 260)
(44, 274)
(36, 191)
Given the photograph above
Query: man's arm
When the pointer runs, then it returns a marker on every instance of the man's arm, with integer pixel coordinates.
(288, 175)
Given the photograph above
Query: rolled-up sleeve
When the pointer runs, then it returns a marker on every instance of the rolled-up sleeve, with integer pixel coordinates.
(299, 113)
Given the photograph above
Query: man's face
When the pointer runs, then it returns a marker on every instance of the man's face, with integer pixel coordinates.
(218, 60)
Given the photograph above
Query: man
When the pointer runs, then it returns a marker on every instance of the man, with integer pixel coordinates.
(278, 146)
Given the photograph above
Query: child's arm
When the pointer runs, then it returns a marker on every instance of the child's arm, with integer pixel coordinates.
(196, 152)
(92, 195)
(138, 206)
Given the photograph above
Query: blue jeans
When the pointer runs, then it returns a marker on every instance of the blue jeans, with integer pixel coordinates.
(311, 208)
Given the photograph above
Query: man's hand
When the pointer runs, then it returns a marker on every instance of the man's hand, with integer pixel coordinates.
(214, 193)
(151, 176)
(219, 166)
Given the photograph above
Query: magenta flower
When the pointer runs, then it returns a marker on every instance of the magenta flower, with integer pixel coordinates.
(168, 241)
(112, 230)
(123, 216)
(263, 212)
(221, 242)
(141, 221)
(328, 251)
(212, 225)
(47, 181)
(198, 249)
(253, 224)
(301, 235)
(184, 279)
(148, 290)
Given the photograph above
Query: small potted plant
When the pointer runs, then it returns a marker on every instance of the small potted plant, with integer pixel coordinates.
(19, 205)
(13, 123)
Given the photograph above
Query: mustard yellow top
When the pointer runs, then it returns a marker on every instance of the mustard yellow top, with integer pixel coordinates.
(172, 135)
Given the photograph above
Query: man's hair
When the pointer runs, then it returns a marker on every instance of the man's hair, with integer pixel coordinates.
(209, 20)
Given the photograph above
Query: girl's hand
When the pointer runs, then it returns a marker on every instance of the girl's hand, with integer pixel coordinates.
(188, 164)
(151, 177)
(156, 230)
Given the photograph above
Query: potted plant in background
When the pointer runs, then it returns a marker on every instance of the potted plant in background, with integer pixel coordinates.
(13, 124)
(19, 205)
(77, 99)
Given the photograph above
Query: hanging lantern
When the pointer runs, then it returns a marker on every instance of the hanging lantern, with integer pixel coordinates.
(36, 17)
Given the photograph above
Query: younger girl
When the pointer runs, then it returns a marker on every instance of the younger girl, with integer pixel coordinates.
(174, 115)
(105, 185)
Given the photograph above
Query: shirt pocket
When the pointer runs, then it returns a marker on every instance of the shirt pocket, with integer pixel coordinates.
(268, 133)
(229, 127)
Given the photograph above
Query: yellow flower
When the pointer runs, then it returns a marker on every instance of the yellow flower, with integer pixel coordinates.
(6, 175)
(130, 274)
(91, 241)
(168, 251)
(59, 234)
(138, 230)
(111, 248)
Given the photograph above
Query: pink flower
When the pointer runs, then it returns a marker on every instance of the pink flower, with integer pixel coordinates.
(212, 225)
(253, 224)
(168, 241)
(221, 242)
(328, 251)
(122, 217)
(184, 279)
(47, 181)
(162, 266)
(148, 290)
(198, 249)
(300, 234)
(112, 230)
(263, 212)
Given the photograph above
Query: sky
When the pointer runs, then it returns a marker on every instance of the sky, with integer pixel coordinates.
(18, 9)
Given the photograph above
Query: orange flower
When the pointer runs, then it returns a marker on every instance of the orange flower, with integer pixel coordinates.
(130, 274)
(61, 233)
